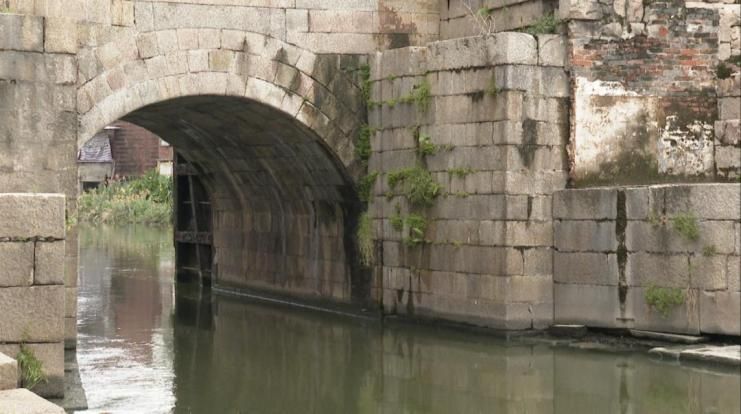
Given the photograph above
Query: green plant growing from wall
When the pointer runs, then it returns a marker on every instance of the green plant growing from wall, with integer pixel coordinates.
(417, 225)
(363, 145)
(664, 300)
(460, 172)
(491, 88)
(686, 225)
(709, 250)
(546, 24)
(32, 369)
(417, 184)
(365, 186)
(365, 84)
(722, 71)
(425, 147)
(419, 96)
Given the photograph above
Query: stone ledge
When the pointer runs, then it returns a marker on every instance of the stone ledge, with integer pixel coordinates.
(23, 401)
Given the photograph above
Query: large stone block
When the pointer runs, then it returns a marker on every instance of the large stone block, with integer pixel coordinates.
(60, 35)
(49, 268)
(682, 318)
(590, 305)
(22, 400)
(8, 373)
(580, 9)
(32, 215)
(647, 269)
(16, 264)
(552, 50)
(665, 238)
(585, 268)
(709, 272)
(512, 48)
(720, 313)
(587, 204)
(585, 236)
(34, 313)
(704, 201)
(21, 32)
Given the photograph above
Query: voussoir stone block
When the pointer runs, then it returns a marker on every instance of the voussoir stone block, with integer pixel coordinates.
(32, 215)
(34, 313)
(16, 264)
(8, 373)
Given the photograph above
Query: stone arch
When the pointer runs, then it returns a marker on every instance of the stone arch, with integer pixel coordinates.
(274, 139)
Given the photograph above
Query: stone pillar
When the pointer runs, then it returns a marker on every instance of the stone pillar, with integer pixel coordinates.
(32, 282)
(38, 117)
(485, 120)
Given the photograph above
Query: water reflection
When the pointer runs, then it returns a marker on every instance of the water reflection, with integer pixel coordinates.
(145, 349)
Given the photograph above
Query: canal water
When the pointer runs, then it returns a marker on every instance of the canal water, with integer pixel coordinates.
(146, 347)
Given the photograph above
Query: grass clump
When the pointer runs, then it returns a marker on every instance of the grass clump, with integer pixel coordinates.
(460, 172)
(32, 370)
(365, 240)
(686, 225)
(547, 24)
(363, 146)
(417, 225)
(709, 250)
(664, 299)
(425, 147)
(365, 186)
(147, 199)
(420, 96)
(417, 184)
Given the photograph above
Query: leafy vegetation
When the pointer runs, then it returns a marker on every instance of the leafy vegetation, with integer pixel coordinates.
(365, 84)
(365, 186)
(147, 199)
(664, 299)
(363, 146)
(32, 370)
(417, 225)
(686, 225)
(417, 184)
(547, 24)
(460, 172)
(419, 96)
(425, 147)
(491, 88)
(709, 250)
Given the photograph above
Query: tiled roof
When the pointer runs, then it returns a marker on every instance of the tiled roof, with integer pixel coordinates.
(97, 149)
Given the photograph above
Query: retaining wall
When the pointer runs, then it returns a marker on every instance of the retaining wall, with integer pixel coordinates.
(622, 253)
(32, 293)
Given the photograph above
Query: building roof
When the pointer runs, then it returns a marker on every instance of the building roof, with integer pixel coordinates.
(97, 149)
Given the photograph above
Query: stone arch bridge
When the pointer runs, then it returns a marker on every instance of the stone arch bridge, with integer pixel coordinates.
(268, 101)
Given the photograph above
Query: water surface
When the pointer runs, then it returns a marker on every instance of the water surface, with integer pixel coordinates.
(146, 346)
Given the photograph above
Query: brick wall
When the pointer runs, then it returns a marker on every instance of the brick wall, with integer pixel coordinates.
(616, 247)
(645, 101)
(135, 150)
(32, 293)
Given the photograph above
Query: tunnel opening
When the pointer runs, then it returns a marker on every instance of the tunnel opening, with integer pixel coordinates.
(262, 203)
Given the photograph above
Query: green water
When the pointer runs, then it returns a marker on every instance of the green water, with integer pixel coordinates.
(147, 347)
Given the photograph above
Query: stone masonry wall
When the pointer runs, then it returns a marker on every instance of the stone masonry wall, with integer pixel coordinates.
(644, 78)
(462, 18)
(32, 293)
(487, 119)
(661, 258)
(38, 109)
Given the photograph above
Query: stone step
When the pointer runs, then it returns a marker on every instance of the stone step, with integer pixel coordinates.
(23, 401)
(668, 337)
(8, 373)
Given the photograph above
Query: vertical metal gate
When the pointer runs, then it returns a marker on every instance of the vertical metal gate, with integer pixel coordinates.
(193, 224)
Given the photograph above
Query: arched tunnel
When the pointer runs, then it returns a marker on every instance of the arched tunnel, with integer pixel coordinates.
(279, 204)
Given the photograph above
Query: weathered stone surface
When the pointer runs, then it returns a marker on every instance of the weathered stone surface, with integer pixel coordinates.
(23, 401)
(664, 238)
(552, 50)
(591, 204)
(579, 10)
(32, 215)
(720, 313)
(585, 236)
(60, 35)
(591, 305)
(636, 203)
(50, 257)
(16, 264)
(21, 32)
(647, 269)
(706, 201)
(512, 48)
(585, 268)
(8, 373)
(32, 313)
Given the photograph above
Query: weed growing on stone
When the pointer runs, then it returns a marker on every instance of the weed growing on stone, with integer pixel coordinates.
(397, 222)
(547, 24)
(363, 145)
(709, 250)
(365, 240)
(722, 71)
(420, 96)
(460, 172)
(686, 225)
(32, 370)
(417, 225)
(425, 147)
(664, 299)
(365, 186)
(365, 84)
(491, 88)
(417, 184)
